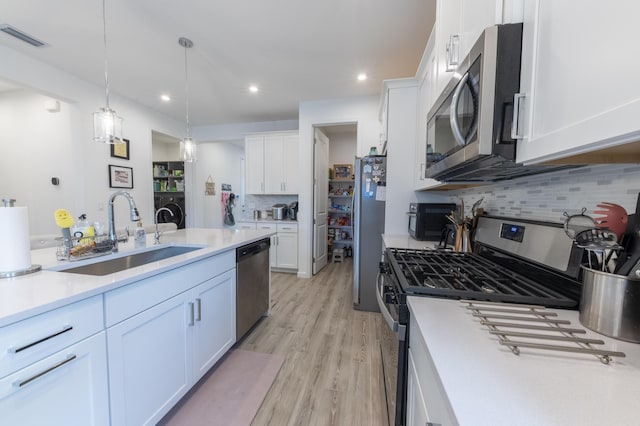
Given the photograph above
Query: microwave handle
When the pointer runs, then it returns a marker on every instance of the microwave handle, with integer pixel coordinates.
(453, 116)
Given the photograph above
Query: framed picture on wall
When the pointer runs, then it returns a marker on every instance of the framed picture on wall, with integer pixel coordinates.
(342, 171)
(120, 150)
(120, 177)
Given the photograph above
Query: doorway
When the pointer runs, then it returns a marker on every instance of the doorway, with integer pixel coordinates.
(333, 195)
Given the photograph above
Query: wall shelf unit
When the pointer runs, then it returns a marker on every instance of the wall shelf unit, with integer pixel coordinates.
(340, 215)
(168, 176)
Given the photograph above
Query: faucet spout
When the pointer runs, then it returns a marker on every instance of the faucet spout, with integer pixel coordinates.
(157, 233)
(133, 213)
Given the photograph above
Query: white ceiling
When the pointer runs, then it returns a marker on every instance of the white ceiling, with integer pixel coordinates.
(294, 50)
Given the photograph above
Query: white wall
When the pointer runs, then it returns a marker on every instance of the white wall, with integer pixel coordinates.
(360, 110)
(342, 148)
(89, 172)
(224, 162)
(33, 154)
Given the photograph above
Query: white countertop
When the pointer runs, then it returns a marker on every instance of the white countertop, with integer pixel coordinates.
(406, 241)
(24, 296)
(487, 384)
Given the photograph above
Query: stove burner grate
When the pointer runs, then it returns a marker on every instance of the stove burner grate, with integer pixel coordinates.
(468, 275)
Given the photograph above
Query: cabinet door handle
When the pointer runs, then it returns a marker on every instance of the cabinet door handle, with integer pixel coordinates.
(44, 339)
(20, 383)
(452, 52)
(192, 320)
(198, 309)
(516, 116)
(262, 186)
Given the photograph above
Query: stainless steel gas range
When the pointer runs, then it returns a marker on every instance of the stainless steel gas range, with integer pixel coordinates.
(513, 261)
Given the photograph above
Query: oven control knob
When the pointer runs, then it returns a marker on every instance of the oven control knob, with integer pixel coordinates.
(389, 297)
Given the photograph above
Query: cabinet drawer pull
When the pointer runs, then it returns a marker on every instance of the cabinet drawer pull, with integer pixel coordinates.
(192, 320)
(44, 339)
(20, 383)
(198, 309)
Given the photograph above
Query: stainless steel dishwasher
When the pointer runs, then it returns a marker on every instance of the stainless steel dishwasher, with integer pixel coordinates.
(252, 285)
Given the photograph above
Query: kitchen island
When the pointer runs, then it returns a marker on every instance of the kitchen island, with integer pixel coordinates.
(462, 375)
(121, 348)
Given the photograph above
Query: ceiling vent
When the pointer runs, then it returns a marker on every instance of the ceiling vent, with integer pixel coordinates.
(14, 32)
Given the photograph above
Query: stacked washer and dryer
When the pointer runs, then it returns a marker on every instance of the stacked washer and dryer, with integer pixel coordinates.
(176, 204)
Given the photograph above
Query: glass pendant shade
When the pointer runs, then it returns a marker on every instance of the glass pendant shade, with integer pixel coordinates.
(188, 150)
(107, 126)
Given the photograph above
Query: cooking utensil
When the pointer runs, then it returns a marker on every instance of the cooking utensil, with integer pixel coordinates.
(615, 218)
(574, 224)
(608, 305)
(597, 241)
(630, 256)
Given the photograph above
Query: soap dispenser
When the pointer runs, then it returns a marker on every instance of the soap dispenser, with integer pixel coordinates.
(140, 236)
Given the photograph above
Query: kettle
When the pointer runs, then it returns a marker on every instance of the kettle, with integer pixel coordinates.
(292, 211)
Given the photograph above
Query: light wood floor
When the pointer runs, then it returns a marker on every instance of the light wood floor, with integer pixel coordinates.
(331, 374)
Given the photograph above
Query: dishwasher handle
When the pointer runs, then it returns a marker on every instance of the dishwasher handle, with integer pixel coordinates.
(252, 249)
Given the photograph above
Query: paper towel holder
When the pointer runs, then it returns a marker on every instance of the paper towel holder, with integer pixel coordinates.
(8, 202)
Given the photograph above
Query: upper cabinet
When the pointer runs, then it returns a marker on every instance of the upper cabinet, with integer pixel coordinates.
(578, 74)
(271, 163)
(459, 23)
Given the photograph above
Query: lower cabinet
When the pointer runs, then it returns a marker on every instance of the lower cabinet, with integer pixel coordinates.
(287, 247)
(416, 409)
(156, 356)
(283, 252)
(427, 402)
(68, 387)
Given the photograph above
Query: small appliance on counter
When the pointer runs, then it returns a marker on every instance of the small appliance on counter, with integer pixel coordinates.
(292, 212)
(428, 220)
(279, 211)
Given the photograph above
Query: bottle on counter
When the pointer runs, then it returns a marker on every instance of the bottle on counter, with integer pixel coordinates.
(140, 237)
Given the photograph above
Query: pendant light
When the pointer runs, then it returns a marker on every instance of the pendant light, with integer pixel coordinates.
(187, 145)
(107, 125)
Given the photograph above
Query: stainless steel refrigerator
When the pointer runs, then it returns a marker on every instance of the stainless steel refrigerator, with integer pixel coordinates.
(368, 221)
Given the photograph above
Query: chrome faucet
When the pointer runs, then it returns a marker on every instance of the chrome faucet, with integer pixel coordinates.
(157, 234)
(133, 213)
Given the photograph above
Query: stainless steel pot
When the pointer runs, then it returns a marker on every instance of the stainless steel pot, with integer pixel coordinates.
(610, 304)
(279, 211)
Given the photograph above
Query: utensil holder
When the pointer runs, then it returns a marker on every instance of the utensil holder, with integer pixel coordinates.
(610, 304)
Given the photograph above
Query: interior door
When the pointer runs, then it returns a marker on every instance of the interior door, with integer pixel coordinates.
(320, 199)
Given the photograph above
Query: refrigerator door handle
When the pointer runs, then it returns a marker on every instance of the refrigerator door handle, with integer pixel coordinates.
(356, 230)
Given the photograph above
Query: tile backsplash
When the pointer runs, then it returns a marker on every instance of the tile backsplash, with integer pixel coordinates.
(547, 196)
(264, 202)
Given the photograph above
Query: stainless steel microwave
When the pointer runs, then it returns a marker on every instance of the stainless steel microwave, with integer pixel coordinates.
(428, 220)
(469, 135)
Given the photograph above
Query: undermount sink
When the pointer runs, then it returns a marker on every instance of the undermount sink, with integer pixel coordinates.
(122, 263)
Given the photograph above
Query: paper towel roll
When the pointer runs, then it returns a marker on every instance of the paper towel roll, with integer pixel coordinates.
(15, 249)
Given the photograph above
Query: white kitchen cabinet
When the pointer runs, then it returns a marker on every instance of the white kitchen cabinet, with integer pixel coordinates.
(425, 394)
(416, 408)
(254, 164)
(287, 246)
(577, 78)
(214, 329)
(272, 163)
(246, 225)
(68, 387)
(283, 252)
(165, 333)
(458, 25)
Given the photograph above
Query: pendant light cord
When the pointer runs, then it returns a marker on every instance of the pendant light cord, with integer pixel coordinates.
(186, 87)
(106, 65)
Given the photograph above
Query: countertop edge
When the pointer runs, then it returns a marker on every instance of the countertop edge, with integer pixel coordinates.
(67, 288)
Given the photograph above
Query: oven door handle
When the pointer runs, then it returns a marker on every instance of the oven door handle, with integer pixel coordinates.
(383, 308)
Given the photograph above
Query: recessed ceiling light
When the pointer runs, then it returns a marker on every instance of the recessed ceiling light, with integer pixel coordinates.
(362, 76)
(165, 98)
(253, 88)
